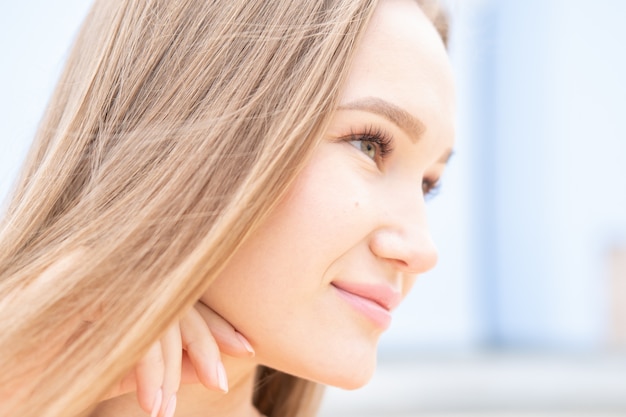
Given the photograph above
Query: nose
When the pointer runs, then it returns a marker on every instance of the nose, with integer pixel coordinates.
(403, 238)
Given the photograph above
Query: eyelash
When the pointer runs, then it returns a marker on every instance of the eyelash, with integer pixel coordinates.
(383, 143)
(378, 137)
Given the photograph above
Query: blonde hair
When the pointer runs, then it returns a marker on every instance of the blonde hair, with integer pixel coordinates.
(174, 130)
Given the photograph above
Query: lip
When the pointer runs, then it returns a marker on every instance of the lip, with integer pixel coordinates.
(373, 301)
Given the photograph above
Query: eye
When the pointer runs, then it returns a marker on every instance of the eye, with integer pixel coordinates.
(373, 143)
(368, 147)
(430, 188)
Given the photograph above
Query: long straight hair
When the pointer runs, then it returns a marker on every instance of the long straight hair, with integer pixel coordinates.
(175, 128)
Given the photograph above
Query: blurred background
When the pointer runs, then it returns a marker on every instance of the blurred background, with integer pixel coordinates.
(525, 315)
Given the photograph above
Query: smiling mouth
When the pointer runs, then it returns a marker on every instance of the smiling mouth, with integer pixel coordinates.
(375, 302)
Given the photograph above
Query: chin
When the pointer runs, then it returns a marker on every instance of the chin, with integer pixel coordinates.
(347, 361)
(353, 382)
(341, 376)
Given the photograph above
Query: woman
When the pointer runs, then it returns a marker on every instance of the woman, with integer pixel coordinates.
(266, 162)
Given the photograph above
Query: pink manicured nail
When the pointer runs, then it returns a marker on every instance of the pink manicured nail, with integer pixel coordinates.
(157, 403)
(245, 343)
(171, 407)
(222, 382)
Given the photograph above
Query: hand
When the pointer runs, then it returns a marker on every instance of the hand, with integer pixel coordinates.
(188, 353)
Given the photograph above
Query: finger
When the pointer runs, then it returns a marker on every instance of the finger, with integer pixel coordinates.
(189, 375)
(149, 374)
(203, 351)
(228, 339)
(171, 346)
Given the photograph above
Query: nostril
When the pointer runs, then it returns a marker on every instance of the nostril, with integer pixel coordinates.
(400, 264)
(421, 257)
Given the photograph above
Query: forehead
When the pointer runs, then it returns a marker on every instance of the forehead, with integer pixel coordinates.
(402, 59)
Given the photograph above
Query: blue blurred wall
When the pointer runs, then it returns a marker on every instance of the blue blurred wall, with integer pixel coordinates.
(551, 103)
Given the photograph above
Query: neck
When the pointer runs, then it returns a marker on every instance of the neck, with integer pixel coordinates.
(196, 400)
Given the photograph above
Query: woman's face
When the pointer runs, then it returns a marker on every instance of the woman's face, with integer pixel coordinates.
(314, 288)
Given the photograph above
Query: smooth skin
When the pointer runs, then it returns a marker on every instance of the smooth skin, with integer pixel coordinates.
(355, 215)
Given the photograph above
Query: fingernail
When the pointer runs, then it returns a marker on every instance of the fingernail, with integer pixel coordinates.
(171, 407)
(222, 382)
(245, 343)
(157, 403)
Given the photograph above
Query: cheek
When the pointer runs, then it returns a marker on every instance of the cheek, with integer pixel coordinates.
(327, 212)
(331, 204)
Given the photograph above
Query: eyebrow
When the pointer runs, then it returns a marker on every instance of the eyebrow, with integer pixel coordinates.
(411, 125)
